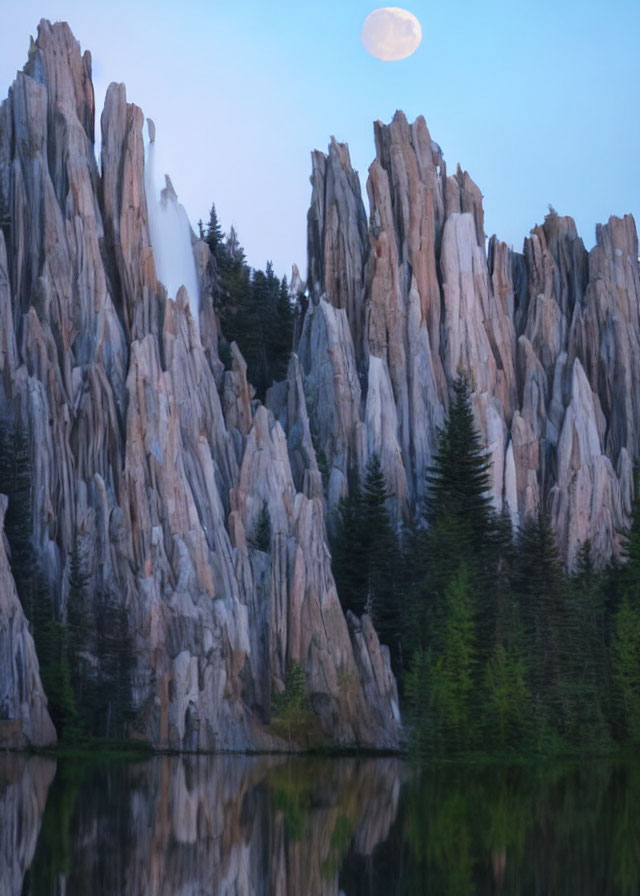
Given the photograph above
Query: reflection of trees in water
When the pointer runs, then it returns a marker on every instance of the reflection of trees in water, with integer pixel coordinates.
(286, 827)
(517, 830)
(224, 825)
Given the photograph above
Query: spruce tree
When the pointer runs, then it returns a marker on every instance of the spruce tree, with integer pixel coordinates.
(461, 527)
(380, 548)
(366, 556)
(348, 552)
(458, 482)
(540, 587)
(213, 235)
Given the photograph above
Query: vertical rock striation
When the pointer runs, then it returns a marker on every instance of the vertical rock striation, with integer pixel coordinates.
(550, 339)
(150, 458)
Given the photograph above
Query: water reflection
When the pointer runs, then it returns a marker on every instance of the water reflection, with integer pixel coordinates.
(226, 825)
(24, 783)
(291, 827)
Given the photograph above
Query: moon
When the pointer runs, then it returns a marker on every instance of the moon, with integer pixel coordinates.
(391, 33)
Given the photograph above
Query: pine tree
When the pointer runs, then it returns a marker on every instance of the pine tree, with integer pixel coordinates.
(365, 555)
(625, 672)
(441, 680)
(262, 538)
(630, 553)
(461, 528)
(380, 549)
(348, 552)
(540, 587)
(213, 234)
(78, 636)
(458, 482)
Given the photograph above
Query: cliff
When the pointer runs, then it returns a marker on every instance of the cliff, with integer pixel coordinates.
(151, 463)
(148, 459)
(550, 338)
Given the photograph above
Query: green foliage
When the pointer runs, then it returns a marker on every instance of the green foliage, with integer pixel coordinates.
(458, 479)
(255, 308)
(365, 554)
(625, 659)
(291, 715)
(111, 687)
(16, 483)
(441, 683)
(262, 537)
(291, 793)
(507, 699)
(548, 662)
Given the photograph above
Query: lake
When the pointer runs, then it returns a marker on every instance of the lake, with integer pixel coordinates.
(234, 825)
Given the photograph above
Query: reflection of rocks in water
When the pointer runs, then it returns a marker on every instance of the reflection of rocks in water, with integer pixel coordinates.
(24, 784)
(228, 824)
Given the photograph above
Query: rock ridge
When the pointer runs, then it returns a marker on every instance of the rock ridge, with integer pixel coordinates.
(550, 338)
(150, 459)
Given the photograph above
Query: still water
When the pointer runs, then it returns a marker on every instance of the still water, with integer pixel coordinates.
(232, 825)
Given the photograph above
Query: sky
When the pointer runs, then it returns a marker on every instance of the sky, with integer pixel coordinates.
(539, 102)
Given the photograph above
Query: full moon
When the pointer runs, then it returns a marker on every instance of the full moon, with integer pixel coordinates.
(391, 33)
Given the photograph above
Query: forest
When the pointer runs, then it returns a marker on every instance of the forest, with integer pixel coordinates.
(495, 646)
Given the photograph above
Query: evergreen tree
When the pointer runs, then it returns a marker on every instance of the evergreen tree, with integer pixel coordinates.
(348, 552)
(262, 539)
(113, 684)
(461, 528)
(78, 637)
(254, 307)
(213, 234)
(441, 680)
(540, 587)
(380, 550)
(366, 557)
(458, 481)
(625, 672)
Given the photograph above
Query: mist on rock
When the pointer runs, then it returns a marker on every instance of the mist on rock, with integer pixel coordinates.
(170, 233)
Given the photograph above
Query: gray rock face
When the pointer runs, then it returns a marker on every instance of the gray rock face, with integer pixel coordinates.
(150, 457)
(24, 719)
(550, 339)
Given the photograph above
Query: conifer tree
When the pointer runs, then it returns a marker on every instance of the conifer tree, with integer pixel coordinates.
(349, 552)
(365, 556)
(213, 234)
(542, 603)
(458, 481)
(380, 548)
(461, 528)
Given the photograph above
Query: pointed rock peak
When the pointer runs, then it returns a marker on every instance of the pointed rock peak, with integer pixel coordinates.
(151, 128)
(341, 150)
(400, 119)
(557, 226)
(55, 59)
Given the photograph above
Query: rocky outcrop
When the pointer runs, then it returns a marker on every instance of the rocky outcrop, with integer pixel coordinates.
(550, 339)
(150, 458)
(24, 719)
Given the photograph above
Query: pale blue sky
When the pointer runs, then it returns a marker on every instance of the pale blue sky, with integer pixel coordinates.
(539, 102)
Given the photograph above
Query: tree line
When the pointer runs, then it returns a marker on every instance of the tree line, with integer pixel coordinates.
(255, 308)
(83, 643)
(495, 646)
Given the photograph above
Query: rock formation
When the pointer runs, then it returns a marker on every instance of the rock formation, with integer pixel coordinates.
(147, 456)
(24, 785)
(24, 719)
(550, 339)
(153, 463)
